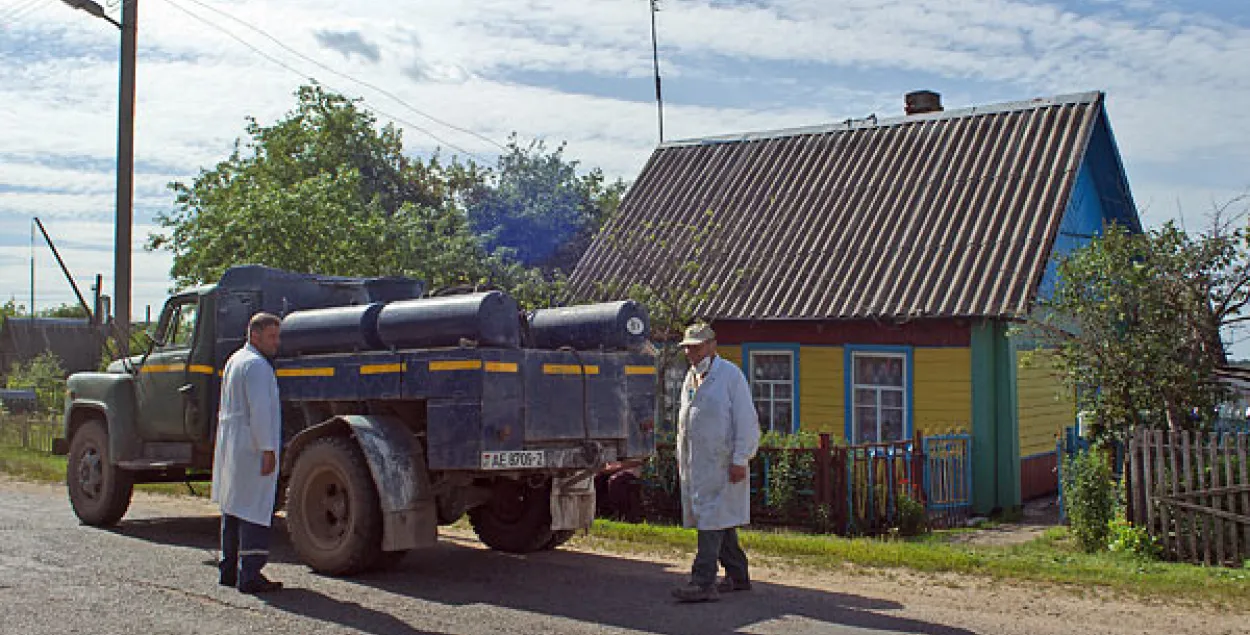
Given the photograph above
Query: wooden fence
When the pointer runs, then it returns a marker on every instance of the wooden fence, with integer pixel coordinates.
(852, 490)
(31, 432)
(1192, 492)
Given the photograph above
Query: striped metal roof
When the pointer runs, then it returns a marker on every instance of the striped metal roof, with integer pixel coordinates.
(944, 214)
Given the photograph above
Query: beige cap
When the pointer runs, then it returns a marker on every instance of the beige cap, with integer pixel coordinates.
(697, 334)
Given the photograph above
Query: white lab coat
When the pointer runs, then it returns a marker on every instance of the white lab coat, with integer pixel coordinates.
(249, 423)
(718, 426)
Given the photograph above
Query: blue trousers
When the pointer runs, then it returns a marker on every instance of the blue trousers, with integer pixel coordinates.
(721, 546)
(244, 550)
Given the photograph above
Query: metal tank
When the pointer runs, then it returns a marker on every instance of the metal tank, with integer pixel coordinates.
(342, 329)
(608, 326)
(488, 319)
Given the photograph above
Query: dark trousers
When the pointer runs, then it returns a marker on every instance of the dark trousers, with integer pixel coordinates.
(720, 545)
(244, 550)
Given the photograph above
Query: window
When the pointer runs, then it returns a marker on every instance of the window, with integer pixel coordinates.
(772, 389)
(180, 329)
(879, 389)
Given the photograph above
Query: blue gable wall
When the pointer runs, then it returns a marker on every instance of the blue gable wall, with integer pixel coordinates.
(1099, 198)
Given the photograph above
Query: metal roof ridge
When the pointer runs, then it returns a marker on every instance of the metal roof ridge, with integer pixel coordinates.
(849, 124)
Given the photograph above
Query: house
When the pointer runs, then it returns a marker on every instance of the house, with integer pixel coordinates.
(76, 342)
(866, 275)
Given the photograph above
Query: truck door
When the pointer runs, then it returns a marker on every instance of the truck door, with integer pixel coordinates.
(161, 403)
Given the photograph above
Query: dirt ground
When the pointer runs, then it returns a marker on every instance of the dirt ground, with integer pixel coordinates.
(154, 574)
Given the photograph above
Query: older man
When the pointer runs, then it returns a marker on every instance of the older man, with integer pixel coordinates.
(245, 461)
(718, 433)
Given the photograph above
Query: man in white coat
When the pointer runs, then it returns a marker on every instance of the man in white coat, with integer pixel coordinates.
(718, 432)
(245, 460)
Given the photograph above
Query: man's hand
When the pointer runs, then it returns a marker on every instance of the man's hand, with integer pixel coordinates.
(268, 463)
(737, 473)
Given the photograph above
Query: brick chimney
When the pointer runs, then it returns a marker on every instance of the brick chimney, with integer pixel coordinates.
(922, 101)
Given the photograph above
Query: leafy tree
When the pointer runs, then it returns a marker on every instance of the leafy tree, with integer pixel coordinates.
(66, 310)
(535, 204)
(1135, 323)
(45, 375)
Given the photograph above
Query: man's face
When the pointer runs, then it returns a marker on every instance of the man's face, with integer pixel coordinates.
(266, 340)
(696, 353)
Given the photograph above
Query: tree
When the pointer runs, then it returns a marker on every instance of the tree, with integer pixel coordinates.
(322, 190)
(65, 310)
(1135, 323)
(675, 289)
(535, 204)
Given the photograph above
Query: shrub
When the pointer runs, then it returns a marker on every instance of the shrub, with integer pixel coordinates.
(1089, 498)
(45, 375)
(910, 517)
(1128, 538)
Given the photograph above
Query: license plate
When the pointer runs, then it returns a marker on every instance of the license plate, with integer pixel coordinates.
(512, 460)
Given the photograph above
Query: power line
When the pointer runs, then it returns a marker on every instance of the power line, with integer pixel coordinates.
(352, 79)
(292, 69)
(29, 10)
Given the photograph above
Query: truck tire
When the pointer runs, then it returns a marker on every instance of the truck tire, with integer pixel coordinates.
(333, 514)
(558, 537)
(517, 519)
(99, 491)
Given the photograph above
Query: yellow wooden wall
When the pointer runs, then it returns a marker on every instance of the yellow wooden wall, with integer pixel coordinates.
(942, 390)
(731, 353)
(1044, 406)
(822, 403)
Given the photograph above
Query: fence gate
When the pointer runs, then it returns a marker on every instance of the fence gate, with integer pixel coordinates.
(1191, 491)
(948, 478)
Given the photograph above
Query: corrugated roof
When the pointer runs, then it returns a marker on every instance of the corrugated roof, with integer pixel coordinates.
(941, 215)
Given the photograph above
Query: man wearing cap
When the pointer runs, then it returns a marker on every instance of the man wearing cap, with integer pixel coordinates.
(718, 432)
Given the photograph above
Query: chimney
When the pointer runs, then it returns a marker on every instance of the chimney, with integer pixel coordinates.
(922, 101)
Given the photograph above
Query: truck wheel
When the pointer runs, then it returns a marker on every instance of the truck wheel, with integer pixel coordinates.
(333, 514)
(558, 537)
(517, 519)
(99, 491)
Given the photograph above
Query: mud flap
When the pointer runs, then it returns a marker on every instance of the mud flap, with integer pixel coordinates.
(572, 502)
(397, 462)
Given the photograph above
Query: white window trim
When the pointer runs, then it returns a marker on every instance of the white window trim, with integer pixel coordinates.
(772, 400)
(878, 389)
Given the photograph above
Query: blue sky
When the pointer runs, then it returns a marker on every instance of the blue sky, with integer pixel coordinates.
(1174, 72)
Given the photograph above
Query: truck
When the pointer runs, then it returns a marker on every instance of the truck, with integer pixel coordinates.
(401, 411)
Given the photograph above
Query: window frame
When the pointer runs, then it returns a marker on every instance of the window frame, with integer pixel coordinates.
(904, 353)
(772, 348)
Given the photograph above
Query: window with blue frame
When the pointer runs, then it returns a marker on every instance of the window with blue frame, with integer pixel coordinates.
(879, 391)
(772, 388)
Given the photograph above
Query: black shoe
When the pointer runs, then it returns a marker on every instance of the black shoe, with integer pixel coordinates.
(728, 585)
(227, 581)
(263, 585)
(695, 593)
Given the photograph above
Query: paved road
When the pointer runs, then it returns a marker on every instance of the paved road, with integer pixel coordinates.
(154, 574)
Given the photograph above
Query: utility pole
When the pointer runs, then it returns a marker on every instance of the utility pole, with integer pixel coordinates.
(125, 175)
(655, 58)
(125, 162)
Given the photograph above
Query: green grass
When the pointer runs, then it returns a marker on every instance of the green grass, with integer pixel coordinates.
(32, 465)
(1051, 558)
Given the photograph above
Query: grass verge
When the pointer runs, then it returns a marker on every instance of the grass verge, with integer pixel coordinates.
(1052, 558)
(32, 465)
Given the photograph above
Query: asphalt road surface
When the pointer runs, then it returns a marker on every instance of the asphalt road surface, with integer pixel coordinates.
(155, 573)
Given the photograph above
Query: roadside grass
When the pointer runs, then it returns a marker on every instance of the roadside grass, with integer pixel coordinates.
(32, 465)
(1051, 558)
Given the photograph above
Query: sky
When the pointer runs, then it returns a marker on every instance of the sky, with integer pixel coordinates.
(461, 75)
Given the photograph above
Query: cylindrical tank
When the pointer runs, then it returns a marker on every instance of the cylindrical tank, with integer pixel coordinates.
(610, 326)
(490, 319)
(340, 329)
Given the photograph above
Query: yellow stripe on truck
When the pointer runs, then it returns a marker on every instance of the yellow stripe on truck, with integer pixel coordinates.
(163, 368)
(382, 369)
(501, 367)
(456, 364)
(568, 369)
(306, 372)
(640, 370)
(202, 369)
